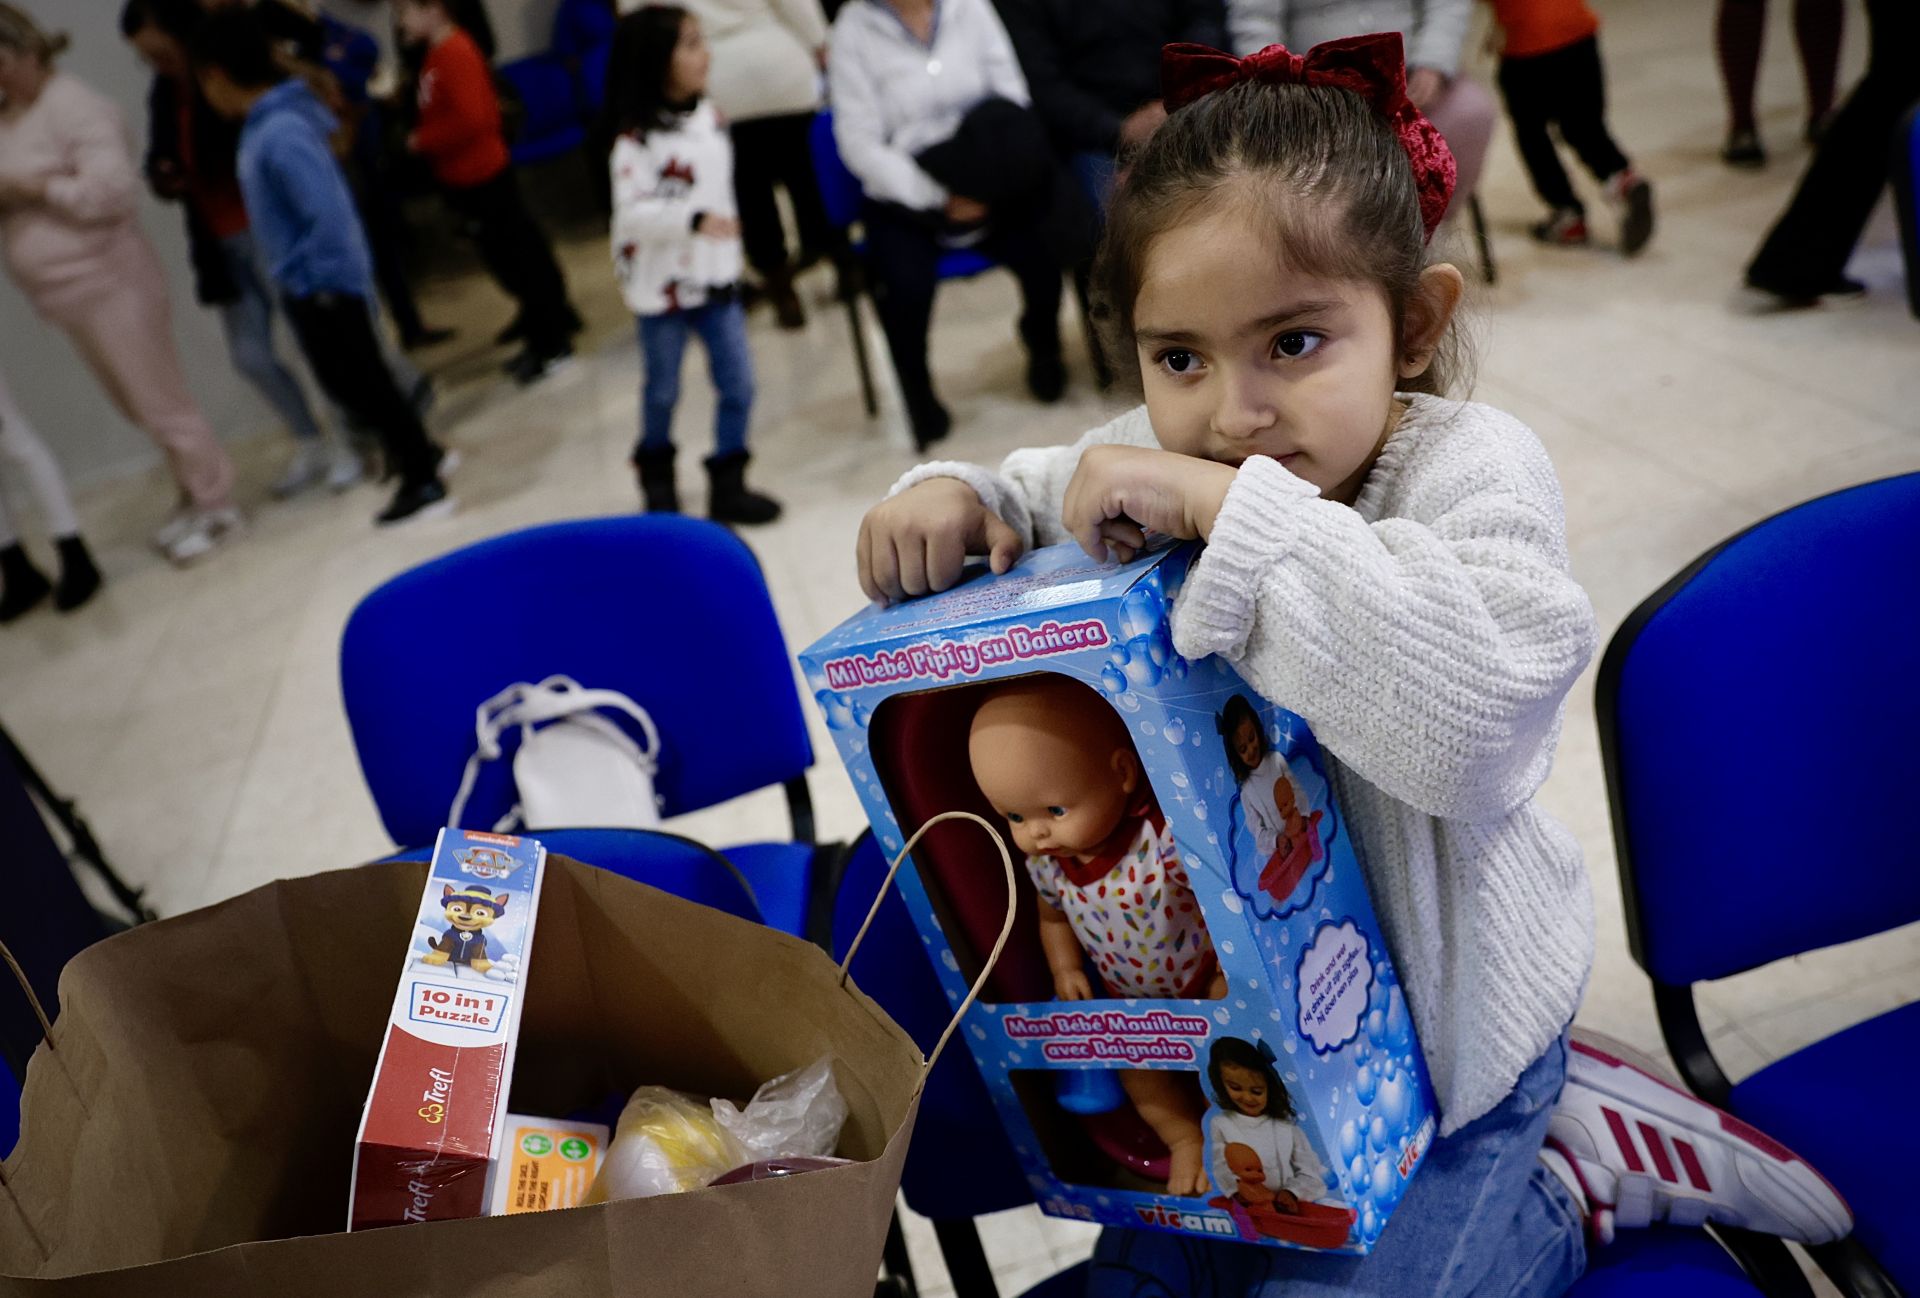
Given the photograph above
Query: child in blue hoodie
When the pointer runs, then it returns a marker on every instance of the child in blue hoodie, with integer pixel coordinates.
(309, 231)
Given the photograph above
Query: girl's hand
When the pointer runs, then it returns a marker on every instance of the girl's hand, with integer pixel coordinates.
(919, 540)
(712, 225)
(1120, 493)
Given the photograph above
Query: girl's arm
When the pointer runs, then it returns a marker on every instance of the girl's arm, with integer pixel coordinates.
(1027, 491)
(886, 173)
(1430, 653)
(1064, 955)
(1223, 1178)
(1305, 1175)
(101, 187)
(641, 214)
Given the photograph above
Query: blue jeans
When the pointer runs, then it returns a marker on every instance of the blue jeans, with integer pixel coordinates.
(248, 321)
(1481, 1217)
(722, 327)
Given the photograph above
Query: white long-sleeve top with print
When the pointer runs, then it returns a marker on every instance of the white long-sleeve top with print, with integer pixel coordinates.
(1429, 634)
(660, 184)
(895, 96)
(1433, 31)
(1286, 1158)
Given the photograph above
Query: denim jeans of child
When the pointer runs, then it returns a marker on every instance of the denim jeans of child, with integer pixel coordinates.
(722, 327)
(1481, 1217)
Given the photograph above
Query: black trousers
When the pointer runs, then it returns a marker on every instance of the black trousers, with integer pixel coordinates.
(903, 259)
(770, 151)
(1563, 88)
(518, 255)
(1809, 246)
(336, 335)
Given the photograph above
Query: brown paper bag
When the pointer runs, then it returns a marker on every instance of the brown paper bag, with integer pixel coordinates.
(188, 1127)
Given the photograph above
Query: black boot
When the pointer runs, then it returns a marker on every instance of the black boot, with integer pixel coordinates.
(730, 500)
(786, 303)
(21, 584)
(79, 579)
(657, 489)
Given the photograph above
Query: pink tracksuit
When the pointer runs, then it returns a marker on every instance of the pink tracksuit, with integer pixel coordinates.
(83, 262)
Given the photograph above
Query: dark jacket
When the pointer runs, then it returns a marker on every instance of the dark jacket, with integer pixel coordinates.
(1089, 63)
(216, 143)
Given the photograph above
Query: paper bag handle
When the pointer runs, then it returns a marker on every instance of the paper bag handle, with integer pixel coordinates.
(33, 998)
(1000, 944)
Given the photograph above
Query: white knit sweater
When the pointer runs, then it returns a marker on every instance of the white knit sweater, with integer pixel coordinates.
(1429, 634)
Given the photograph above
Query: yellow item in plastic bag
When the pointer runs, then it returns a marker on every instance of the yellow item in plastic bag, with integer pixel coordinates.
(665, 1142)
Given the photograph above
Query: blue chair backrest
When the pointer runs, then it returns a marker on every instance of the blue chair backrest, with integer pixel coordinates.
(670, 611)
(549, 101)
(1760, 719)
(960, 1163)
(840, 190)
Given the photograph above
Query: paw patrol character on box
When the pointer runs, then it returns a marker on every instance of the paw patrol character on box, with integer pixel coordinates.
(1054, 759)
(469, 911)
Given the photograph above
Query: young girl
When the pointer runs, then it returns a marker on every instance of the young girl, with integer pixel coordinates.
(676, 248)
(1255, 1111)
(1392, 565)
(1286, 835)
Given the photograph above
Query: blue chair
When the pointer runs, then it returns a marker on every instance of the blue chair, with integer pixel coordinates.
(961, 1165)
(1768, 687)
(670, 611)
(669, 862)
(550, 125)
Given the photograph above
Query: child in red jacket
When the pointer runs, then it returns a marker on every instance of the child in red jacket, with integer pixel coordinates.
(1550, 75)
(460, 135)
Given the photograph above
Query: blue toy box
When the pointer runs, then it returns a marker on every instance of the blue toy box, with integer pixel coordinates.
(1310, 987)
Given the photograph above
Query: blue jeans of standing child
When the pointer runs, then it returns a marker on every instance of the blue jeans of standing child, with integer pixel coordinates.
(722, 327)
(248, 322)
(1482, 1216)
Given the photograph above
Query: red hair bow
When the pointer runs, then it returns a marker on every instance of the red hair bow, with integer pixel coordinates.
(1373, 67)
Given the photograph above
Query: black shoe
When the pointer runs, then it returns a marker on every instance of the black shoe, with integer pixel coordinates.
(1046, 377)
(786, 305)
(1780, 295)
(79, 579)
(531, 366)
(421, 500)
(729, 499)
(424, 337)
(1743, 149)
(658, 490)
(1634, 197)
(22, 586)
(931, 421)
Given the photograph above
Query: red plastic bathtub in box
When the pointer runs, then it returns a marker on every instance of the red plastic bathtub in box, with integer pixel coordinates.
(430, 1135)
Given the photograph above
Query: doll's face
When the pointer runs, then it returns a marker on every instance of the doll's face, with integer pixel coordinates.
(1284, 800)
(1248, 745)
(1057, 765)
(1246, 1088)
(1244, 1163)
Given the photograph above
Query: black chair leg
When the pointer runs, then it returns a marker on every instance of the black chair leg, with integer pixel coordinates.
(898, 1281)
(1854, 1270)
(850, 287)
(1479, 219)
(966, 1260)
(1766, 1260)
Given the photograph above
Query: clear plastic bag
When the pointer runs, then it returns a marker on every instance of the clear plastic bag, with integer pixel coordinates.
(796, 1115)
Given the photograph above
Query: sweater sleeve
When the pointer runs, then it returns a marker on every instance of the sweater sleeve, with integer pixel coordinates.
(1255, 24)
(1439, 34)
(1304, 1175)
(464, 105)
(1431, 654)
(1031, 485)
(1223, 1178)
(885, 172)
(805, 20)
(640, 213)
(101, 185)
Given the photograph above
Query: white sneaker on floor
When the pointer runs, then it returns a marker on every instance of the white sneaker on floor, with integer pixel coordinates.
(344, 469)
(1637, 1149)
(305, 468)
(204, 532)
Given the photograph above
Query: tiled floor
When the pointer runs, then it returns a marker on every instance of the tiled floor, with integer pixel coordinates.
(197, 715)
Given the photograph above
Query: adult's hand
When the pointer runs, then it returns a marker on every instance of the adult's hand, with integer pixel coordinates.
(1424, 85)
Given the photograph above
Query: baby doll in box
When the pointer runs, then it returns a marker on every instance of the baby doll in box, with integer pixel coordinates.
(1055, 760)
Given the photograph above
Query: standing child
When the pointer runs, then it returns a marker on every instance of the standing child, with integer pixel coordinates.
(309, 232)
(676, 249)
(460, 135)
(1551, 76)
(1392, 565)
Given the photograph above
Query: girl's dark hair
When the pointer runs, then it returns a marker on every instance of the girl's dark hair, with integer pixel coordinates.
(1331, 182)
(233, 41)
(1255, 1059)
(637, 71)
(1239, 708)
(177, 18)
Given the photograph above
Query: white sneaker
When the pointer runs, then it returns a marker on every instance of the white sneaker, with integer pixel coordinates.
(1636, 1149)
(174, 528)
(305, 468)
(205, 532)
(345, 469)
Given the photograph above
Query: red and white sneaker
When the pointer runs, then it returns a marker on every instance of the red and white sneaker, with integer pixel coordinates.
(1636, 1149)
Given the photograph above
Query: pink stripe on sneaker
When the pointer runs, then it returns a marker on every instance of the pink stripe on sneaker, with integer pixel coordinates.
(1691, 1161)
(1760, 1140)
(1623, 1138)
(1658, 1148)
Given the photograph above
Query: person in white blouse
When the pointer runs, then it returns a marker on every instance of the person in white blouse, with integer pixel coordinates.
(905, 77)
(1436, 35)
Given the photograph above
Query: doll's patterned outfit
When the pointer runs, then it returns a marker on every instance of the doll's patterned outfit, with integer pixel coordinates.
(1134, 912)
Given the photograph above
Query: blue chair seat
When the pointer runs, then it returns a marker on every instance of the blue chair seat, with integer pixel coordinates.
(781, 876)
(1658, 1262)
(1819, 1102)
